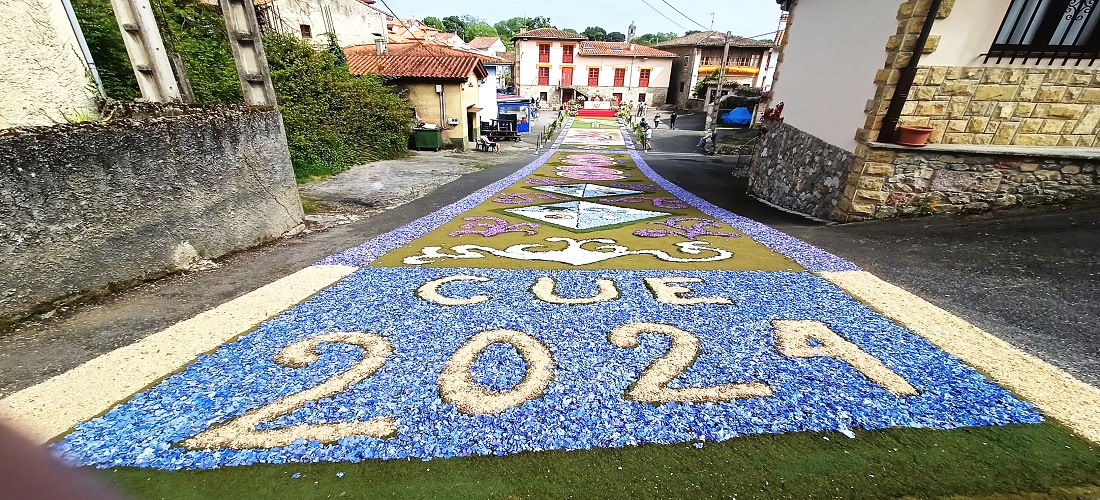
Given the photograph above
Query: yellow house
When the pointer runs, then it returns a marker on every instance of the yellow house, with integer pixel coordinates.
(441, 83)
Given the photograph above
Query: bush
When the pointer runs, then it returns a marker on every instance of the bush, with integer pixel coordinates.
(333, 119)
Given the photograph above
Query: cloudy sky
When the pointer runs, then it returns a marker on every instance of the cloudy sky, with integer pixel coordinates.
(742, 17)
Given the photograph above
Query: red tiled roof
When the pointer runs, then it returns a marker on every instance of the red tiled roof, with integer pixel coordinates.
(549, 33)
(413, 60)
(713, 39)
(507, 56)
(589, 48)
(483, 42)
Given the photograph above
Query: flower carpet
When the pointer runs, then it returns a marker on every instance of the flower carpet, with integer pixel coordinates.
(583, 303)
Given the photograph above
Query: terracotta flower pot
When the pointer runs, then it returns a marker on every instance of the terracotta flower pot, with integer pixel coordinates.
(912, 135)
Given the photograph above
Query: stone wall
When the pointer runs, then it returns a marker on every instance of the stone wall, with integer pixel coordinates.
(799, 172)
(1041, 106)
(951, 180)
(87, 207)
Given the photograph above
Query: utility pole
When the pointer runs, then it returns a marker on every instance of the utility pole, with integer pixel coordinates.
(711, 20)
(145, 48)
(718, 93)
(248, 52)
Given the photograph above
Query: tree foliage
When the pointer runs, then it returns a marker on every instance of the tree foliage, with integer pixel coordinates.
(434, 22)
(455, 24)
(654, 38)
(190, 28)
(477, 29)
(333, 119)
(594, 33)
(508, 28)
(615, 36)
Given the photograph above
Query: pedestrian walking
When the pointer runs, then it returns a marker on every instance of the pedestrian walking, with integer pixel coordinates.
(648, 139)
(644, 124)
(656, 121)
(641, 109)
(672, 121)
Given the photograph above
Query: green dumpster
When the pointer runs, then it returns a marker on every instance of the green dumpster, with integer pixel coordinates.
(428, 138)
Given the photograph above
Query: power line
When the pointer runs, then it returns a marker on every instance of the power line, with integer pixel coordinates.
(664, 16)
(686, 16)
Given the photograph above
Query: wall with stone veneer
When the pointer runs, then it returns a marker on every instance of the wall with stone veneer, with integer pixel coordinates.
(903, 182)
(90, 206)
(798, 171)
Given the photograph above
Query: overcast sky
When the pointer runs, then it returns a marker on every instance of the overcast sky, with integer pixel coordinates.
(742, 17)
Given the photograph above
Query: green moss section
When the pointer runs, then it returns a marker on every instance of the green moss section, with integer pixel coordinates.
(747, 253)
(889, 463)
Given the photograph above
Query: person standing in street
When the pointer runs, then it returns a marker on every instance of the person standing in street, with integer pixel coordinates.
(672, 121)
(648, 139)
(656, 121)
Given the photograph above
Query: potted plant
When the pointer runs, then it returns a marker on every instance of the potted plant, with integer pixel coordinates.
(913, 135)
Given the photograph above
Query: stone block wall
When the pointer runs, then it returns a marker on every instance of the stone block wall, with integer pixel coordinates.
(91, 206)
(799, 172)
(1044, 106)
(902, 182)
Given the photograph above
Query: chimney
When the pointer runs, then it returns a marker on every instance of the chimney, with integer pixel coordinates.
(632, 47)
(381, 46)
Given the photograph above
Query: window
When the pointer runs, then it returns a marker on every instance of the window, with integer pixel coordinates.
(593, 77)
(641, 97)
(544, 52)
(643, 77)
(566, 53)
(682, 86)
(620, 77)
(567, 76)
(542, 96)
(1058, 29)
(544, 76)
(616, 98)
(307, 32)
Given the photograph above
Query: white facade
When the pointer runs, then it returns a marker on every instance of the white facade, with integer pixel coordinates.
(487, 94)
(353, 22)
(528, 65)
(43, 75)
(822, 98)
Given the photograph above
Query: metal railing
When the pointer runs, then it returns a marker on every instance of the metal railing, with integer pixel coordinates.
(1054, 29)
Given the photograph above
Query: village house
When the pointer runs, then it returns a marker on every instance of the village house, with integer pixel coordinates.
(700, 56)
(354, 22)
(491, 45)
(444, 84)
(1009, 91)
(555, 67)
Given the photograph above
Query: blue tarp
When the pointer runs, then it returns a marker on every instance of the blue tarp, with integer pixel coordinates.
(737, 116)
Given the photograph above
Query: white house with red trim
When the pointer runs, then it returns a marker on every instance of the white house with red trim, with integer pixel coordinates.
(555, 67)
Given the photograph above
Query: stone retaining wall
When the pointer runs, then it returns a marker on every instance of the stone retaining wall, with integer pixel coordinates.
(799, 172)
(907, 182)
(90, 206)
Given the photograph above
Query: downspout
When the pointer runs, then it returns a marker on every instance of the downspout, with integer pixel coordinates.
(83, 44)
(905, 79)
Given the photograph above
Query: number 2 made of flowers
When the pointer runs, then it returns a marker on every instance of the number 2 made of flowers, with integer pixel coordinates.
(652, 385)
(241, 432)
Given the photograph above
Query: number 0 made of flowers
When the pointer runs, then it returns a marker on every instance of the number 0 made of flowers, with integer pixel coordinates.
(457, 385)
(241, 432)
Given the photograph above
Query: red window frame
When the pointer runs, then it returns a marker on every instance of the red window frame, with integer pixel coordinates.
(544, 52)
(620, 77)
(593, 77)
(567, 76)
(643, 77)
(544, 75)
(566, 53)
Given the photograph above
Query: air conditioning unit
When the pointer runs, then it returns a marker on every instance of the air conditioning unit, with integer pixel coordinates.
(452, 121)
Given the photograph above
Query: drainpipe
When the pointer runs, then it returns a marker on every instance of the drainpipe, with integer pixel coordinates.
(905, 79)
(83, 44)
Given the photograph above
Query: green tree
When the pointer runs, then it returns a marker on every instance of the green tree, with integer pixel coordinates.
(615, 36)
(511, 27)
(333, 119)
(97, 21)
(454, 24)
(434, 22)
(479, 29)
(571, 30)
(594, 33)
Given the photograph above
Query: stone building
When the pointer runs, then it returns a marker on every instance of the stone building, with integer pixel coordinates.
(1010, 89)
(700, 55)
(556, 67)
(355, 22)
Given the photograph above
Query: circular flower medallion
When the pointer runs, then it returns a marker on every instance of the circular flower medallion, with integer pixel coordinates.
(589, 160)
(590, 173)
